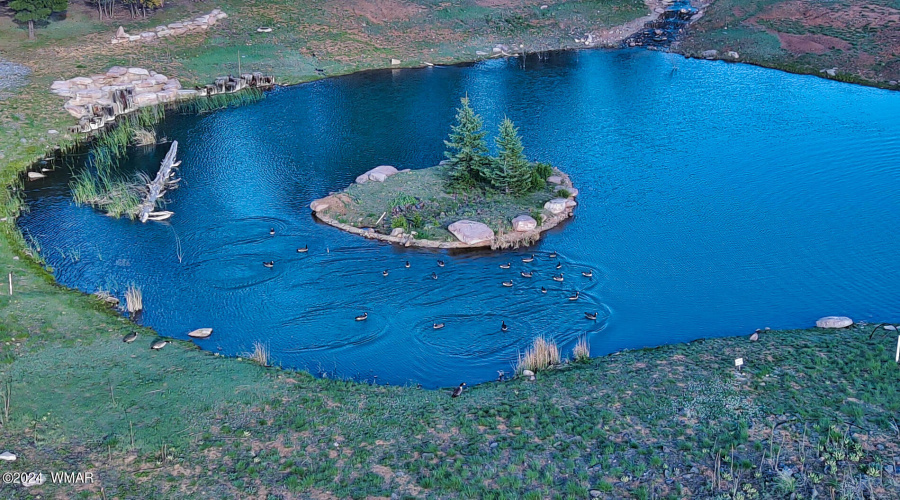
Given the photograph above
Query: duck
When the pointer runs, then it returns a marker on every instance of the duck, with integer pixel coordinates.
(459, 390)
(528, 259)
(527, 275)
(506, 266)
(131, 337)
(433, 275)
(269, 264)
(362, 317)
(574, 297)
(592, 315)
(543, 290)
(384, 273)
(406, 265)
(503, 326)
(552, 255)
(558, 278)
(440, 263)
(558, 265)
(159, 344)
(507, 283)
(304, 249)
(437, 326)
(588, 274)
(272, 231)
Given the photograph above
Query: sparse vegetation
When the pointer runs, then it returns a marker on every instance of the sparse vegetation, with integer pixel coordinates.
(542, 354)
(582, 350)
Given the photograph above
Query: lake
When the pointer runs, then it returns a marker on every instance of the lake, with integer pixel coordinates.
(714, 199)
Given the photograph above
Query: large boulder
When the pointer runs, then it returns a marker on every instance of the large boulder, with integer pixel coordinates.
(318, 205)
(709, 54)
(82, 80)
(139, 71)
(834, 322)
(556, 205)
(471, 232)
(381, 173)
(555, 179)
(524, 223)
(117, 71)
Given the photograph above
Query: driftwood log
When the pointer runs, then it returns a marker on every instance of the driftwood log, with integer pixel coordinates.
(164, 180)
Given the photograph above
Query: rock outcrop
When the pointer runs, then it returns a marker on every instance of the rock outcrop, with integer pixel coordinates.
(198, 24)
(834, 322)
(524, 223)
(377, 174)
(471, 232)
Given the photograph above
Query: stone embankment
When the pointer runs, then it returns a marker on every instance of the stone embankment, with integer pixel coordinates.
(98, 99)
(195, 25)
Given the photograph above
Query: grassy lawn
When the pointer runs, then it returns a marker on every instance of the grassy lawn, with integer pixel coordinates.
(813, 410)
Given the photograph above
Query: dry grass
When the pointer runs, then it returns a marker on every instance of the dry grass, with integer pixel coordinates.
(541, 355)
(134, 299)
(582, 351)
(260, 353)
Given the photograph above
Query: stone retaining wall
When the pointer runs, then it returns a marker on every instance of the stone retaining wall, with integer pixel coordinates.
(195, 25)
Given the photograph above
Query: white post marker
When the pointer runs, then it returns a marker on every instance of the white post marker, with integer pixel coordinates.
(897, 357)
(10, 284)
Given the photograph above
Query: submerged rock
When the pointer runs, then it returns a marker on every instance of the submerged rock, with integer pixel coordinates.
(834, 322)
(471, 232)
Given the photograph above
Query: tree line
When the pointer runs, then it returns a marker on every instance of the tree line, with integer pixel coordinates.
(470, 165)
(38, 11)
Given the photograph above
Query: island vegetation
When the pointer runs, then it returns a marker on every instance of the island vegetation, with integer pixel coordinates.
(513, 197)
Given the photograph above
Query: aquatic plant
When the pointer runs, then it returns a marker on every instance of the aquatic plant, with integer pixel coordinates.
(260, 353)
(100, 189)
(541, 355)
(582, 351)
(134, 299)
(220, 101)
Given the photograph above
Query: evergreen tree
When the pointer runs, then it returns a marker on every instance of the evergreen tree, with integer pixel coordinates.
(466, 148)
(36, 10)
(510, 172)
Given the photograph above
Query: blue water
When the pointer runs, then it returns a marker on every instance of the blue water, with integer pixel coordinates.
(715, 199)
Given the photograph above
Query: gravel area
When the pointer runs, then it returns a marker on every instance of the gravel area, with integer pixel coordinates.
(12, 76)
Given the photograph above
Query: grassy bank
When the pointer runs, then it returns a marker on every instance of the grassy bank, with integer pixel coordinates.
(857, 39)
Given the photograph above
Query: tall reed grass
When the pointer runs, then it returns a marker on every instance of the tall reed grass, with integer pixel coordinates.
(582, 350)
(260, 353)
(220, 101)
(134, 299)
(541, 355)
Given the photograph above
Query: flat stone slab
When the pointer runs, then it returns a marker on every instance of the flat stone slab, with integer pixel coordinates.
(201, 333)
(471, 232)
(556, 205)
(834, 322)
(524, 223)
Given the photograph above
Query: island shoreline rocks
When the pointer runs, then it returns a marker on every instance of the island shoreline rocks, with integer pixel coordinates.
(324, 208)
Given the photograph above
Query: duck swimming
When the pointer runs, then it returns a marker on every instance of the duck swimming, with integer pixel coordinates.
(543, 290)
(269, 264)
(590, 315)
(437, 326)
(362, 317)
(552, 255)
(505, 266)
(528, 259)
(558, 278)
(527, 275)
(406, 265)
(507, 283)
(304, 249)
(384, 273)
(459, 390)
(558, 265)
(503, 326)
(587, 274)
(574, 297)
(440, 263)
(434, 276)
(272, 231)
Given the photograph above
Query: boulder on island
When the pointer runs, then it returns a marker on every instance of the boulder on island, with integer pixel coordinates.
(834, 322)
(378, 174)
(524, 223)
(556, 205)
(318, 205)
(471, 232)
(555, 179)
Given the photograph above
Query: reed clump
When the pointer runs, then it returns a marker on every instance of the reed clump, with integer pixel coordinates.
(542, 355)
(582, 350)
(221, 101)
(117, 197)
(134, 299)
(260, 354)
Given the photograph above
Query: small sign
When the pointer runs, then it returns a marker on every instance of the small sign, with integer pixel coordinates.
(897, 357)
(739, 362)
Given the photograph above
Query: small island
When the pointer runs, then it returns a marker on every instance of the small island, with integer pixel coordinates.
(469, 200)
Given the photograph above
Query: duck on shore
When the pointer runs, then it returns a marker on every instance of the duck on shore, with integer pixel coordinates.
(131, 337)
(362, 317)
(459, 390)
(159, 344)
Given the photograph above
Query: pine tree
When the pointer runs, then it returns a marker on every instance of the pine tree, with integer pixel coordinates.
(36, 10)
(466, 148)
(510, 172)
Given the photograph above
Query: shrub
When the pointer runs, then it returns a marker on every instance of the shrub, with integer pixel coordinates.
(399, 221)
(563, 193)
(538, 215)
(417, 221)
(543, 170)
(541, 355)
